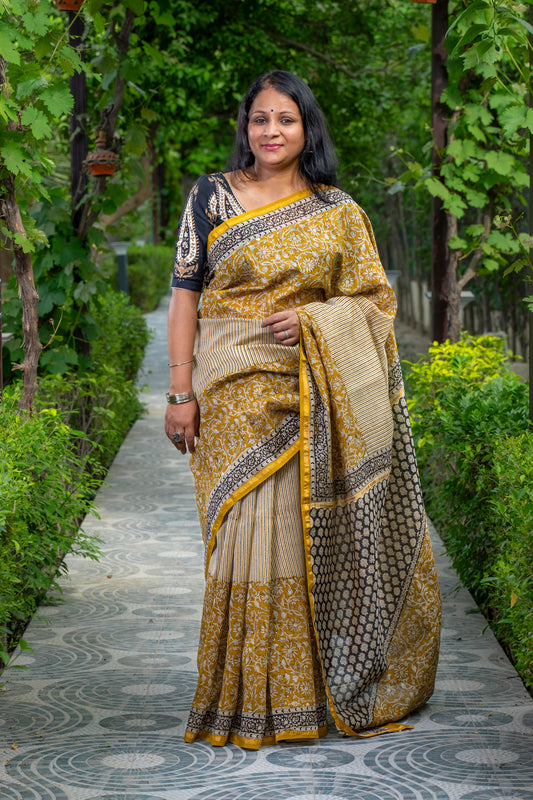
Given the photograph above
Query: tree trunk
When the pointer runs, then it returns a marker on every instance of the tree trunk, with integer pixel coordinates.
(10, 211)
(154, 192)
(78, 120)
(455, 283)
(439, 124)
(454, 291)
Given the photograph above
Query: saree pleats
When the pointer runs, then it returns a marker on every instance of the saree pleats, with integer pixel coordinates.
(247, 385)
(259, 679)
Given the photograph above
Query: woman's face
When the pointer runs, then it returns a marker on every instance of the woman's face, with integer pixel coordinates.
(275, 130)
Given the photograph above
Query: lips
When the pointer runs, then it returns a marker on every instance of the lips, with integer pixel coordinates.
(271, 146)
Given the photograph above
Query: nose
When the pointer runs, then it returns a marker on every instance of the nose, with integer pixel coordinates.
(271, 128)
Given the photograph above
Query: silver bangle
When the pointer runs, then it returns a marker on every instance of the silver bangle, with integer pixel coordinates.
(181, 363)
(176, 399)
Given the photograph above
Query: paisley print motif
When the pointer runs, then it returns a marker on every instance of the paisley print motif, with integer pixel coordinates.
(210, 202)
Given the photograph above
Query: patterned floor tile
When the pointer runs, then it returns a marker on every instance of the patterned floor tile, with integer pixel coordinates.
(122, 762)
(322, 786)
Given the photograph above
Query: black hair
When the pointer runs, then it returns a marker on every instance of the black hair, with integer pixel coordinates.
(317, 160)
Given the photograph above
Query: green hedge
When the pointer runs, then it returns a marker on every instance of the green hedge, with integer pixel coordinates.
(511, 578)
(103, 403)
(475, 453)
(44, 496)
(52, 462)
(149, 274)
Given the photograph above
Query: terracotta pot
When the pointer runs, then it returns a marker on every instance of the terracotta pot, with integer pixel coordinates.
(69, 5)
(102, 161)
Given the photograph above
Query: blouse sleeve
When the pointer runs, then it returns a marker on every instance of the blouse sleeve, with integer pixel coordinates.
(195, 224)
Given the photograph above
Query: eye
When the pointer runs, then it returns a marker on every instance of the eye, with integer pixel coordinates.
(287, 120)
(258, 120)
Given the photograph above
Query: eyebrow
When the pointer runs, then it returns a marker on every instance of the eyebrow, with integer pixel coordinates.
(265, 111)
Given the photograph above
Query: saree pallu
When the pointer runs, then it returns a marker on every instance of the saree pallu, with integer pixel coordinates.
(320, 581)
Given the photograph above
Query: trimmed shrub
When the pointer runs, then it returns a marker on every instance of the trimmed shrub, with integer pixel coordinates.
(103, 403)
(510, 583)
(51, 463)
(123, 335)
(102, 406)
(45, 495)
(470, 414)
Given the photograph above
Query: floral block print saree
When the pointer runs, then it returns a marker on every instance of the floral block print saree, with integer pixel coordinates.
(321, 587)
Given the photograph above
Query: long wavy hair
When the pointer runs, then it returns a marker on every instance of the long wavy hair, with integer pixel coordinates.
(317, 160)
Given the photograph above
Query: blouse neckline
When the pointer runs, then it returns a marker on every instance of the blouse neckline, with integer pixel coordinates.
(289, 198)
(227, 184)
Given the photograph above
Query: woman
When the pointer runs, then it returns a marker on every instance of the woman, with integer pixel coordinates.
(320, 582)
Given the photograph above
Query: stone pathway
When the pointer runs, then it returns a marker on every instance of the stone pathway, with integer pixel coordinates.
(100, 712)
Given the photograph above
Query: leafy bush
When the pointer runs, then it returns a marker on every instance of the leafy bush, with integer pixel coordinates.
(76, 304)
(45, 495)
(468, 411)
(149, 274)
(51, 463)
(511, 580)
(103, 403)
(123, 334)
(471, 361)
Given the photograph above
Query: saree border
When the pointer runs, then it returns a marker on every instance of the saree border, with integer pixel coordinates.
(257, 478)
(255, 212)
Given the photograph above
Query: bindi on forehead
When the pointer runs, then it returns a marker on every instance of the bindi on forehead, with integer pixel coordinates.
(272, 111)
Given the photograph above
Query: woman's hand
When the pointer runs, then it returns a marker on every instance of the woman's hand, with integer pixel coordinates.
(183, 418)
(285, 325)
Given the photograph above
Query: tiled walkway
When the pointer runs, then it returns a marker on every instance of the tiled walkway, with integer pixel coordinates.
(100, 712)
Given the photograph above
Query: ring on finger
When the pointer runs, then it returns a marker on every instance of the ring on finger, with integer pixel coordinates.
(287, 334)
(178, 437)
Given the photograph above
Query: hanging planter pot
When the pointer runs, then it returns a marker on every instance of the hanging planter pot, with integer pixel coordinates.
(102, 161)
(69, 5)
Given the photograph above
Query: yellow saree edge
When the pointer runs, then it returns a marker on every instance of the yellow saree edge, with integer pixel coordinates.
(255, 744)
(256, 212)
(305, 472)
(243, 490)
(390, 727)
(305, 492)
(370, 485)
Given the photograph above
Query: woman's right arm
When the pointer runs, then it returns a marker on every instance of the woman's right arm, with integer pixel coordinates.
(182, 321)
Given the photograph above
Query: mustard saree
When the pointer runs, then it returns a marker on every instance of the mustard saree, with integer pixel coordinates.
(320, 582)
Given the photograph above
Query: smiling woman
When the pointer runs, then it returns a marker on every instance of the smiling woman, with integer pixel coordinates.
(276, 134)
(286, 387)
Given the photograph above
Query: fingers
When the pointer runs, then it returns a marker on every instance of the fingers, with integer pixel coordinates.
(182, 426)
(183, 441)
(285, 325)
